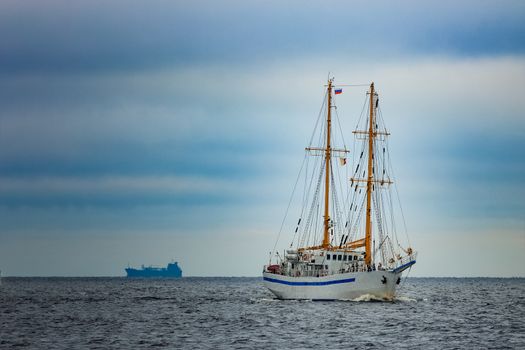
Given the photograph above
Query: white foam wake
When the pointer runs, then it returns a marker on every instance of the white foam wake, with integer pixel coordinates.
(404, 298)
(370, 297)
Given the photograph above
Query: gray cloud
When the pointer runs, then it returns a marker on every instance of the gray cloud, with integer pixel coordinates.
(60, 36)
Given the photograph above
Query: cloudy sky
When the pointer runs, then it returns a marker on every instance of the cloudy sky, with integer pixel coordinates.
(144, 131)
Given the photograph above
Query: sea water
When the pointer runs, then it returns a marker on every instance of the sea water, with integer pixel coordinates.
(230, 313)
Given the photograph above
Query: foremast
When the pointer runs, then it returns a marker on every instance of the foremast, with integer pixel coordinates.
(369, 182)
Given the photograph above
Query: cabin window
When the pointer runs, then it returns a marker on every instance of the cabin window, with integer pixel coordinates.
(292, 266)
(344, 257)
(334, 257)
(355, 257)
(327, 256)
(339, 257)
(326, 267)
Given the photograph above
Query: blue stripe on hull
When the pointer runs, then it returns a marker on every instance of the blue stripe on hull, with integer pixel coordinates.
(404, 267)
(289, 283)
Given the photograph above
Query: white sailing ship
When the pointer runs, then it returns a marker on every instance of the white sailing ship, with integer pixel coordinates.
(345, 244)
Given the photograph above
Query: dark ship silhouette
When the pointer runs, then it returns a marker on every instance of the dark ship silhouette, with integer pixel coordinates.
(171, 271)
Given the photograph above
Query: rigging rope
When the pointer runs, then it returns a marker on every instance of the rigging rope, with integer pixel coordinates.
(323, 105)
(314, 202)
(287, 208)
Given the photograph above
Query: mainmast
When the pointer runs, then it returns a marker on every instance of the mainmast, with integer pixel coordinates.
(326, 235)
(369, 182)
(327, 151)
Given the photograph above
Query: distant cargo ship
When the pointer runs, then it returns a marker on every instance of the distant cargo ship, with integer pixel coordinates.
(172, 271)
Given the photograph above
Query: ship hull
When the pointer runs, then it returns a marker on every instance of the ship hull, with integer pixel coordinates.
(344, 286)
(135, 273)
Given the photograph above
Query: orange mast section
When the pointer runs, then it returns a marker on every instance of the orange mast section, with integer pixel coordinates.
(371, 136)
(326, 235)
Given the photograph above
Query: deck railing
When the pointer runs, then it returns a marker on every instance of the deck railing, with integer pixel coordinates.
(404, 260)
(351, 268)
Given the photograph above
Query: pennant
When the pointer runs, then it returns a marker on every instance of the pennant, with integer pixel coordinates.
(338, 91)
(343, 161)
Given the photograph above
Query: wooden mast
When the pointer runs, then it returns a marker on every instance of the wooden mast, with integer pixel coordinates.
(369, 182)
(326, 235)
